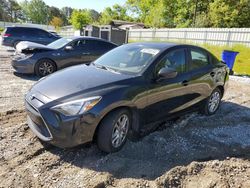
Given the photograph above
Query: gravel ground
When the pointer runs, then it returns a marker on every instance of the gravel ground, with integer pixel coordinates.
(193, 151)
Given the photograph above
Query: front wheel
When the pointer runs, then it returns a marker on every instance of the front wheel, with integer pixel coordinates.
(113, 131)
(45, 67)
(212, 103)
(15, 44)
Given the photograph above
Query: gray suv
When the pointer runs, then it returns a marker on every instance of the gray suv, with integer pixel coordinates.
(13, 35)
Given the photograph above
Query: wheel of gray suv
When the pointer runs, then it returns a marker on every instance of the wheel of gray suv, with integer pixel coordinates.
(113, 131)
(213, 102)
(44, 67)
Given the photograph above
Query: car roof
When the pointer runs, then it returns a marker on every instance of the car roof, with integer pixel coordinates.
(163, 45)
(157, 45)
(90, 38)
(23, 27)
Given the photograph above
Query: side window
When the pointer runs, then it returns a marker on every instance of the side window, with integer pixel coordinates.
(18, 31)
(79, 44)
(104, 45)
(32, 32)
(91, 44)
(42, 33)
(199, 59)
(175, 59)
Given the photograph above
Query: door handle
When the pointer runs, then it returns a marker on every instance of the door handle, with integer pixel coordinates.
(212, 74)
(85, 53)
(185, 83)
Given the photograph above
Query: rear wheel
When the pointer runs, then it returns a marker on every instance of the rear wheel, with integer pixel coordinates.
(113, 131)
(213, 102)
(45, 67)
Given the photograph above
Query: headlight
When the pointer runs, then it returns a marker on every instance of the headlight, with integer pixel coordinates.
(77, 106)
(23, 56)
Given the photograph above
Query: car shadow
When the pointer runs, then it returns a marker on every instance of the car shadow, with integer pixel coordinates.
(31, 77)
(194, 137)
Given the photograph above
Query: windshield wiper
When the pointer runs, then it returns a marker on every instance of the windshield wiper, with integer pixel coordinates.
(100, 66)
(106, 68)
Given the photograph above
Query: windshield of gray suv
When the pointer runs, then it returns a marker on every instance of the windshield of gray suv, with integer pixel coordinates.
(127, 58)
(59, 43)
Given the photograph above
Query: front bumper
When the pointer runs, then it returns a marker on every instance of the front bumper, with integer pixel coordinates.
(23, 66)
(63, 132)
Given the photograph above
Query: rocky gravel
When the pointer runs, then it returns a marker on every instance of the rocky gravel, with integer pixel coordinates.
(192, 151)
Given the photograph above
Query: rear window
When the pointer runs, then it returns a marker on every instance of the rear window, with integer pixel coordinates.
(16, 31)
(199, 59)
(22, 31)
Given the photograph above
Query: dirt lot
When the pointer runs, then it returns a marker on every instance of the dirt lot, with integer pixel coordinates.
(194, 151)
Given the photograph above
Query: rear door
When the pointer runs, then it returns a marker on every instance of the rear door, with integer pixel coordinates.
(202, 74)
(92, 49)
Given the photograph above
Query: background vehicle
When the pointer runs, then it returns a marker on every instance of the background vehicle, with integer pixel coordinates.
(43, 60)
(13, 35)
(128, 90)
(54, 33)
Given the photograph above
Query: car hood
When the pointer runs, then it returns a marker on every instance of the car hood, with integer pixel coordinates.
(76, 80)
(30, 47)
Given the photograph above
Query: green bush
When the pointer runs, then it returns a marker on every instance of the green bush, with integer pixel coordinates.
(1, 30)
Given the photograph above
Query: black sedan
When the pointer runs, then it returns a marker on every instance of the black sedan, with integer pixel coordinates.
(45, 59)
(123, 93)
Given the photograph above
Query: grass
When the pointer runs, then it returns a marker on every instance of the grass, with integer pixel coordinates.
(242, 62)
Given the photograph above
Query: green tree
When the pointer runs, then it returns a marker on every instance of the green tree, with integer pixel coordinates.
(116, 12)
(154, 13)
(36, 11)
(155, 16)
(10, 10)
(141, 8)
(57, 22)
(56, 12)
(94, 15)
(80, 18)
(230, 13)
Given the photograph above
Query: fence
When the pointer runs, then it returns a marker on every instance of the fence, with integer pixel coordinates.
(46, 27)
(68, 31)
(215, 36)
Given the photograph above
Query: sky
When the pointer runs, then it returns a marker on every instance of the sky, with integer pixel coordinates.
(98, 5)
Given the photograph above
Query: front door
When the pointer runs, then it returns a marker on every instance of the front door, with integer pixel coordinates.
(168, 96)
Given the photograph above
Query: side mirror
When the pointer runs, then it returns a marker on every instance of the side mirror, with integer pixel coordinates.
(68, 48)
(165, 73)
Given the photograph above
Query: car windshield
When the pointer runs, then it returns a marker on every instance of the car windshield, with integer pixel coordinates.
(127, 58)
(59, 43)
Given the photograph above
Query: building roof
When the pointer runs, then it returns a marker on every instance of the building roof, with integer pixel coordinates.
(118, 23)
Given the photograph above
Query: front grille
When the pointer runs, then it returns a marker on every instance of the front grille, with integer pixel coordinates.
(37, 124)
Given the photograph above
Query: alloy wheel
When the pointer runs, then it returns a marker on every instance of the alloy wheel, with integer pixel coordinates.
(120, 131)
(214, 102)
(46, 68)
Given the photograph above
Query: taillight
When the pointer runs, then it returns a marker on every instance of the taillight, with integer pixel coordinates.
(6, 35)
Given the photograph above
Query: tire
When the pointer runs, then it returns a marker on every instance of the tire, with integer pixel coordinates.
(44, 67)
(213, 99)
(15, 44)
(109, 138)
